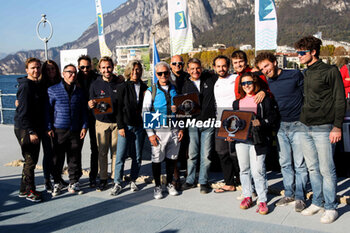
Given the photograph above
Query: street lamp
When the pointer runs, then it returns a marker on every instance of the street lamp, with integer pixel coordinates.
(44, 39)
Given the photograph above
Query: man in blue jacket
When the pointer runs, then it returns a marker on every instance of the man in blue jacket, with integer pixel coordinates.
(67, 124)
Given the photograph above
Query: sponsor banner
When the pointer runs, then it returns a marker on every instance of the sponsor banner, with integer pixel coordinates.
(104, 50)
(181, 38)
(265, 25)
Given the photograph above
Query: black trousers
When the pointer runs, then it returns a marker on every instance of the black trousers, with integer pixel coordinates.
(229, 162)
(48, 154)
(67, 142)
(30, 153)
(93, 148)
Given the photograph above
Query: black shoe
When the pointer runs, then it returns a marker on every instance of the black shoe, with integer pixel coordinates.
(92, 183)
(204, 189)
(102, 186)
(186, 186)
(48, 186)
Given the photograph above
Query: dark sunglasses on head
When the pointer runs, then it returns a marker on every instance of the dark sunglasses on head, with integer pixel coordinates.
(247, 83)
(180, 63)
(302, 53)
(160, 74)
(83, 67)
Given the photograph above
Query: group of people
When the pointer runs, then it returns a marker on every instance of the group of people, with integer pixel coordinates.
(306, 109)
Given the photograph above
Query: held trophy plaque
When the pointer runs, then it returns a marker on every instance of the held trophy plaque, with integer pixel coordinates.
(235, 124)
(187, 104)
(103, 106)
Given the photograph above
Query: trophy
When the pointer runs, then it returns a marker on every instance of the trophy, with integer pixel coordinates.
(103, 106)
(187, 104)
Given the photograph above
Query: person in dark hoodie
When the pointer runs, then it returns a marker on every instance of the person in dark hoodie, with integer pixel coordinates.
(29, 127)
(105, 85)
(130, 125)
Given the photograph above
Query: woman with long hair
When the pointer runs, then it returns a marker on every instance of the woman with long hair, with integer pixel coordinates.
(251, 153)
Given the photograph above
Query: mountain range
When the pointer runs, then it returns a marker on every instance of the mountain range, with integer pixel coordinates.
(230, 22)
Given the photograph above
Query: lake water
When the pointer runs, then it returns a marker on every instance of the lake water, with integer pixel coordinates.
(8, 85)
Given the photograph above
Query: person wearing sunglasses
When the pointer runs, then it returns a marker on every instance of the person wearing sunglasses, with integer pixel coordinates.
(165, 140)
(178, 77)
(251, 154)
(322, 115)
(105, 86)
(67, 124)
(86, 76)
(287, 88)
(201, 138)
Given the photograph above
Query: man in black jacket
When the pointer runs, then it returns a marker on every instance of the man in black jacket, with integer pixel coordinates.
(86, 76)
(202, 137)
(29, 125)
(106, 123)
(322, 115)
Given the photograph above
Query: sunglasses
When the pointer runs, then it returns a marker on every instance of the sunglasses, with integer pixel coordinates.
(246, 83)
(84, 67)
(160, 74)
(302, 53)
(180, 63)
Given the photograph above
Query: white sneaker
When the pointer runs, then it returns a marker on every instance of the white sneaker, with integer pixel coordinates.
(56, 190)
(171, 190)
(311, 210)
(116, 189)
(133, 186)
(74, 188)
(329, 216)
(158, 193)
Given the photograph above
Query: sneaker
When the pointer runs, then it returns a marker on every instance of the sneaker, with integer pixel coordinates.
(204, 189)
(172, 190)
(246, 203)
(311, 210)
(158, 193)
(262, 208)
(299, 205)
(102, 186)
(74, 188)
(56, 190)
(186, 186)
(284, 201)
(329, 216)
(133, 186)
(116, 189)
(22, 194)
(33, 196)
(48, 186)
(92, 184)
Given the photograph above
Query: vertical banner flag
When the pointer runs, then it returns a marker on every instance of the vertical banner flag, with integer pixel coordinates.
(155, 61)
(265, 25)
(104, 50)
(181, 38)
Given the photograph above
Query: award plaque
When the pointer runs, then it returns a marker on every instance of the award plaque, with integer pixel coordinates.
(187, 104)
(235, 124)
(103, 106)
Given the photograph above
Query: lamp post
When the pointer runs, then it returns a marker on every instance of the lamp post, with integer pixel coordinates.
(44, 39)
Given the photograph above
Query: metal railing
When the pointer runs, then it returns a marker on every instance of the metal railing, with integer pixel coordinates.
(4, 109)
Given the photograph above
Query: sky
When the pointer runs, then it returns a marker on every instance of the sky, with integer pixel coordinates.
(69, 19)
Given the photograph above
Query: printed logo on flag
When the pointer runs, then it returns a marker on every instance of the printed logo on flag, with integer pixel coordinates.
(180, 20)
(151, 120)
(99, 24)
(266, 7)
(132, 52)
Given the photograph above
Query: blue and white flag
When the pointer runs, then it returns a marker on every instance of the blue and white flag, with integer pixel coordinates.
(155, 61)
(104, 50)
(265, 25)
(181, 38)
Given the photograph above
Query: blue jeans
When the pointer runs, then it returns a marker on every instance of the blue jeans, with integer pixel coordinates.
(250, 165)
(318, 153)
(201, 144)
(134, 136)
(291, 153)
